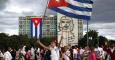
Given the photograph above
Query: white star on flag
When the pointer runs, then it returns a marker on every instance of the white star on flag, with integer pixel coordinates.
(36, 21)
(58, 0)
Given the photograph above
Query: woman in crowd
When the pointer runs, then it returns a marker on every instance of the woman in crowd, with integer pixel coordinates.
(92, 55)
(85, 53)
(99, 53)
(7, 54)
(13, 53)
(111, 51)
(32, 51)
(53, 48)
(42, 54)
(75, 53)
(27, 55)
(20, 53)
(64, 56)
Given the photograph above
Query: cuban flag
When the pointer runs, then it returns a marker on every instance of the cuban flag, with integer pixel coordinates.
(80, 9)
(36, 27)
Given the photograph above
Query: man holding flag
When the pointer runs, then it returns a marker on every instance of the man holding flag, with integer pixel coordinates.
(80, 9)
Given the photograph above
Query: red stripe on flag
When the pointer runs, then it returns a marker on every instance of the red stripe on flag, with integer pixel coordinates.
(57, 3)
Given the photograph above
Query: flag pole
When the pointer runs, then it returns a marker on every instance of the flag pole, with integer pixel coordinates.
(46, 8)
(87, 32)
(43, 18)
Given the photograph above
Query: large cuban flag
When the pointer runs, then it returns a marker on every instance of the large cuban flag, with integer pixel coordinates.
(36, 27)
(80, 9)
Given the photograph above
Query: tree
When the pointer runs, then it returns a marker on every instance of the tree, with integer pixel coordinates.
(46, 40)
(3, 39)
(82, 43)
(24, 40)
(92, 37)
(14, 41)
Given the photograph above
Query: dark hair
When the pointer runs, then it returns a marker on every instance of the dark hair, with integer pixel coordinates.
(62, 50)
(73, 47)
(32, 45)
(6, 48)
(26, 49)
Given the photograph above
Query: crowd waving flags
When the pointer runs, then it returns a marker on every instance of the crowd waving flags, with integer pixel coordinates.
(80, 9)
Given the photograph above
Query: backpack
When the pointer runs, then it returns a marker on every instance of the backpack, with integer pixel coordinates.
(27, 56)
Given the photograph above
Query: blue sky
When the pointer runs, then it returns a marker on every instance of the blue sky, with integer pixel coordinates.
(103, 17)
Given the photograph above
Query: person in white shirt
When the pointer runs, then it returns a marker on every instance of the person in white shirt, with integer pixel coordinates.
(99, 52)
(75, 52)
(32, 52)
(68, 52)
(81, 51)
(7, 55)
(54, 51)
(38, 50)
(53, 48)
(23, 50)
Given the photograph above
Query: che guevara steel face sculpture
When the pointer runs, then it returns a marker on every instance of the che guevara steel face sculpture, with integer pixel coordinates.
(66, 26)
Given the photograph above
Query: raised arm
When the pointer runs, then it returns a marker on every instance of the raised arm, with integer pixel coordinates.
(60, 41)
(42, 45)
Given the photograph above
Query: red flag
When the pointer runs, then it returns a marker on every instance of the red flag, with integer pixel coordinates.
(57, 3)
(36, 21)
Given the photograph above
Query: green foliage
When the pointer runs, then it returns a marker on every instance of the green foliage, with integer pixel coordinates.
(46, 40)
(24, 40)
(82, 42)
(3, 39)
(93, 38)
(13, 41)
(16, 41)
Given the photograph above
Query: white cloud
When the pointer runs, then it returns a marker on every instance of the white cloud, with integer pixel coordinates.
(11, 31)
(20, 6)
(104, 29)
(18, 9)
(101, 20)
(14, 9)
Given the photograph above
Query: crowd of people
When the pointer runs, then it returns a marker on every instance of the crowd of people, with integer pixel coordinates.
(55, 52)
(7, 53)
